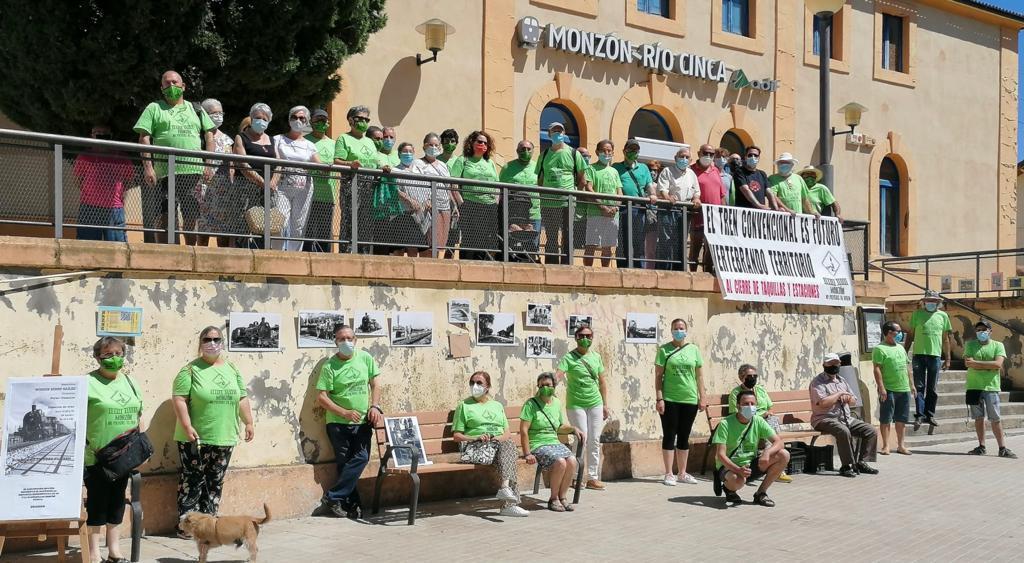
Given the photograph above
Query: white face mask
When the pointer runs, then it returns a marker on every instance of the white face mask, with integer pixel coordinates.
(432, 152)
(477, 390)
(299, 125)
(705, 161)
(211, 349)
(217, 119)
(346, 347)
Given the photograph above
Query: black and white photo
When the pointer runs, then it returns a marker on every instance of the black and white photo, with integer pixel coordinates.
(254, 332)
(538, 315)
(412, 329)
(369, 323)
(576, 321)
(458, 311)
(642, 328)
(495, 329)
(405, 431)
(316, 328)
(539, 347)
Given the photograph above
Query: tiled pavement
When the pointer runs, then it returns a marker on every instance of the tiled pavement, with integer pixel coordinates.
(937, 505)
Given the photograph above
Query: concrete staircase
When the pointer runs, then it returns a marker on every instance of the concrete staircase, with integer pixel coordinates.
(955, 424)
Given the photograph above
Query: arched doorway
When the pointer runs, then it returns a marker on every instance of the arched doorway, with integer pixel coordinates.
(732, 143)
(889, 208)
(553, 113)
(649, 124)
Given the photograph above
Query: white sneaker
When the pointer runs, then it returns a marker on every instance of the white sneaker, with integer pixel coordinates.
(506, 493)
(670, 480)
(688, 479)
(514, 511)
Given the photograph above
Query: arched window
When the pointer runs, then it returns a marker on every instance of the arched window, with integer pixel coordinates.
(889, 209)
(732, 143)
(553, 113)
(650, 125)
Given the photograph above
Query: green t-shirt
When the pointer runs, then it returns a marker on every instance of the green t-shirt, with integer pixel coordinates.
(820, 196)
(178, 127)
(474, 418)
(606, 181)
(213, 393)
(363, 150)
(324, 189)
(475, 168)
(541, 432)
(764, 402)
(524, 174)
(347, 383)
(679, 383)
(984, 379)
(893, 362)
(583, 390)
(390, 158)
(642, 174)
(928, 329)
(113, 409)
(729, 432)
(791, 190)
(558, 169)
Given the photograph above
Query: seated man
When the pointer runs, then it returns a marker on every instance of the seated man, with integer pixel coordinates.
(831, 399)
(736, 440)
(748, 380)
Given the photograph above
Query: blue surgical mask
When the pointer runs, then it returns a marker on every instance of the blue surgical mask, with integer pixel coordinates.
(785, 169)
(682, 163)
(604, 158)
(432, 151)
(346, 347)
(720, 162)
(983, 336)
(678, 334)
(556, 138)
(259, 125)
(406, 158)
(387, 144)
(931, 307)
(748, 411)
(752, 161)
(899, 338)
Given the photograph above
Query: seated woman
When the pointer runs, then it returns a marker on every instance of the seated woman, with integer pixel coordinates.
(540, 422)
(481, 429)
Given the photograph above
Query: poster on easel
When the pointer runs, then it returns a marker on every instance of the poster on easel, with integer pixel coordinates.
(43, 448)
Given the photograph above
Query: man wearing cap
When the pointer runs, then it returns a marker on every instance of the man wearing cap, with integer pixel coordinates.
(984, 359)
(709, 180)
(676, 183)
(786, 190)
(561, 167)
(831, 399)
(928, 339)
(321, 211)
(822, 199)
(636, 182)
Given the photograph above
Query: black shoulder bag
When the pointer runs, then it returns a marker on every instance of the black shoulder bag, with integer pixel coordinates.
(123, 454)
(540, 408)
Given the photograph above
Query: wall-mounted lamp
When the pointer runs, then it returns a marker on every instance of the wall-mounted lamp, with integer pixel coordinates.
(436, 32)
(851, 113)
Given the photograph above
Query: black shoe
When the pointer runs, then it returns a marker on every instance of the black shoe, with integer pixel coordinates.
(1005, 452)
(763, 500)
(980, 450)
(731, 496)
(931, 421)
(865, 468)
(847, 471)
(338, 508)
(917, 422)
(355, 512)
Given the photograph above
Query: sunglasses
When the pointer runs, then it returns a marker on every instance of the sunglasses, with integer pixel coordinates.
(479, 142)
(208, 340)
(359, 119)
(707, 154)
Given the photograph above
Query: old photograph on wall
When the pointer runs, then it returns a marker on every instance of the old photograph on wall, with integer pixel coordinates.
(496, 329)
(254, 332)
(316, 328)
(576, 321)
(412, 329)
(538, 315)
(405, 431)
(539, 347)
(458, 311)
(370, 323)
(642, 328)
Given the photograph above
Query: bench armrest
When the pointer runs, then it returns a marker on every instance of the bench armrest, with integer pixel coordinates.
(414, 454)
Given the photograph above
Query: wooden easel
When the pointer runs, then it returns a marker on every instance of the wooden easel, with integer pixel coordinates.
(61, 530)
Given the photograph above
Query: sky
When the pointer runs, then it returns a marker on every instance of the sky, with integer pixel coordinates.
(1017, 6)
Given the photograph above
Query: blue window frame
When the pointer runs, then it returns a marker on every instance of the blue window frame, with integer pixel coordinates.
(892, 43)
(653, 7)
(831, 37)
(889, 208)
(557, 112)
(736, 17)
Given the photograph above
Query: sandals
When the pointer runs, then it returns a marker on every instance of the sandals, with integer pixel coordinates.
(733, 497)
(763, 500)
(567, 506)
(554, 505)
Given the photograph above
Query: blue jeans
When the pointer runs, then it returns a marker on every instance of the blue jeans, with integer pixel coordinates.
(99, 217)
(351, 443)
(926, 377)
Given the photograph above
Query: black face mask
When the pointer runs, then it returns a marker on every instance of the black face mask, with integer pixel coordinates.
(103, 136)
(750, 381)
(831, 370)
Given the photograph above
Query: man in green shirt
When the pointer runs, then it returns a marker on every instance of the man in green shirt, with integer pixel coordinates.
(822, 199)
(636, 181)
(176, 123)
(325, 189)
(984, 358)
(387, 153)
(736, 441)
(523, 207)
(928, 339)
(748, 380)
(563, 168)
(786, 190)
(892, 377)
(355, 149)
(347, 390)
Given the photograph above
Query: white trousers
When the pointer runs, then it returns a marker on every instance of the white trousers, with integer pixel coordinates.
(590, 421)
(296, 204)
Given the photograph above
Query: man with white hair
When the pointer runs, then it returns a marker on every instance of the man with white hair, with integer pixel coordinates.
(831, 399)
(788, 191)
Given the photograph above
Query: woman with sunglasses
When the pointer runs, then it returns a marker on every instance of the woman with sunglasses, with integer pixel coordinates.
(540, 423)
(479, 213)
(296, 185)
(208, 397)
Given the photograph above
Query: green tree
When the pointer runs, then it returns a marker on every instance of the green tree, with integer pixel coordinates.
(67, 64)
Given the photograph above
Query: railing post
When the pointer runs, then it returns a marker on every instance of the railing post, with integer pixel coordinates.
(629, 235)
(58, 191)
(977, 276)
(433, 218)
(927, 274)
(505, 234)
(867, 267)
(684, 235)
(268, 205)
(570, 219)
(172, 201)
(353, 245)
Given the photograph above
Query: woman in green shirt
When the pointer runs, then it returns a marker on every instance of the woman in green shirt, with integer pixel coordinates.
(679, 387)
(481, 429)
(208, 397)
(478, 216)
(114, 407)
(540, 423)
(583, 371)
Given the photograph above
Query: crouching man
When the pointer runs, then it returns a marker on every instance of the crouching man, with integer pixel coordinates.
(736, 440)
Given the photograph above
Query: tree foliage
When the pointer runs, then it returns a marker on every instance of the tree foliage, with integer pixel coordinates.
(67, 64)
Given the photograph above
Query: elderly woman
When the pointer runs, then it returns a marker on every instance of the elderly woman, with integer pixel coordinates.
(294, 185)
(219, 208)
(208, 397)
(679, 388)
(114, 407)
(431, 165)
(540, 423)
(481, 428)
(411, 228)
(252, 140)
(583, 371)
(651, 229)
(479, 217)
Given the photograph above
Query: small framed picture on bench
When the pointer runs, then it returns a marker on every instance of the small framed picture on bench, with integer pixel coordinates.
(405, 431)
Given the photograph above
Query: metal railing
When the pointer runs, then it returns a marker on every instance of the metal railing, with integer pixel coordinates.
(965, 274)
(855, 234)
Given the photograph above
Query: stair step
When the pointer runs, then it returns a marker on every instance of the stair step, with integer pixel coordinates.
(957, 399)
(960, 410)
(951, 375)
(944, 386)
(963, 424)
(965, 437)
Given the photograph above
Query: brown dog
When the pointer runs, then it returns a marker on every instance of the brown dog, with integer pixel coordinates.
(211, 531)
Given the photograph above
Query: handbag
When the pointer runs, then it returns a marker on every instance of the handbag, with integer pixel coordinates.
(124, 453)
(254, 219)
(479, 453)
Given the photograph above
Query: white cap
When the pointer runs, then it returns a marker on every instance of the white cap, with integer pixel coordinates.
(830, 357)
(786, 157)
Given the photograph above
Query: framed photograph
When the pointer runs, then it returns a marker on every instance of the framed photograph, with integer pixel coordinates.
(316, 328)
(412, 329)
(119, 321)
(642, 328)
(576, 321)
(538, 315)
(871, 321)
(254, 332)
(495, 329)
(539, 347)
(458, 311)
(405, 431)
(370, 323)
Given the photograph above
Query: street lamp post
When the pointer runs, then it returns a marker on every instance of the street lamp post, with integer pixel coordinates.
(825, 10)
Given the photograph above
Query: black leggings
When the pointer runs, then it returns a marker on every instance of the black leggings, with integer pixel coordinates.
(676, 424)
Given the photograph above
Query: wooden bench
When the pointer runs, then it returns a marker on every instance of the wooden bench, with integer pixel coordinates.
(792, 407)
(443, 451)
